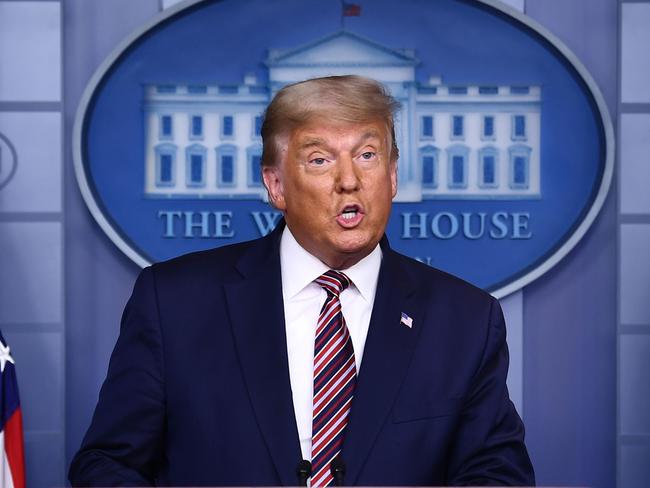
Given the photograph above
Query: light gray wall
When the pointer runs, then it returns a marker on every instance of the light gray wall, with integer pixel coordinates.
(634, 247)
(99, 277)
(570, 313)
(32, 311)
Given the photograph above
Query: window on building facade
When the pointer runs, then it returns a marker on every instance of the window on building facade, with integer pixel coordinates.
(428, 171)
(226, 169)
(166, 127)
(519, 127)
(520, 167)
(488, 90)
(166, 88)
(457, 168)
(254, 166)
(488, 127)
(429, 161)
(228, 89)
(426, 127)
(489, 170)
(488, 167)
(196, 169)
(257, 125)
(256, 170)
(196, 127)
(228, 126)
(520, 171)
(197, 89)
(195, 165)
(428, 90)
(457, 127)
(165, 165)
(519, 90)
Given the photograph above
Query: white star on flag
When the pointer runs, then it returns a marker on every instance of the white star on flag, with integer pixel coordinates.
(4, 357)
(406, 320)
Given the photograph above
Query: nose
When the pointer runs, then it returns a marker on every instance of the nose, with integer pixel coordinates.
(347, 176)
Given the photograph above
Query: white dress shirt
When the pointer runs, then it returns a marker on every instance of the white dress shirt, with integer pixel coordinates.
(303, 300)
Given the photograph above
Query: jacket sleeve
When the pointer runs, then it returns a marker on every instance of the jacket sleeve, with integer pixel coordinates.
(489, 446)
(123, 445)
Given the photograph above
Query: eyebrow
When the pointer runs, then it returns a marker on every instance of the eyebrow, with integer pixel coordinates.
(312, 142)
(319, 142)
(370, 134)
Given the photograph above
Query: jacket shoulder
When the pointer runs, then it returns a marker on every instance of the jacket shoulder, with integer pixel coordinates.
(214, 264)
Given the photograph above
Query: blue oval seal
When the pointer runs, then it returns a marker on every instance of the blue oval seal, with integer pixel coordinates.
(506, 146)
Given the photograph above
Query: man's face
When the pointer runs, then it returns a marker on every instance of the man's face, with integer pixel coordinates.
(335, 185)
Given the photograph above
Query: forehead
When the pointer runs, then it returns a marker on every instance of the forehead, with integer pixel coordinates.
(321, 132)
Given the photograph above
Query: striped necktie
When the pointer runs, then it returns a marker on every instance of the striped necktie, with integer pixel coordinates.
(335, 376)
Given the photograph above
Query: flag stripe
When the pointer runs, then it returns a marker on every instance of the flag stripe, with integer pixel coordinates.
(5, 471)
(14, 448)
(12, 462)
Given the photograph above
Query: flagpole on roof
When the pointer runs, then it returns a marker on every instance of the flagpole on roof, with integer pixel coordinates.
(349, 10)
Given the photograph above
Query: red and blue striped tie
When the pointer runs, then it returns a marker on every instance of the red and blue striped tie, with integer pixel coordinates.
(335, 376)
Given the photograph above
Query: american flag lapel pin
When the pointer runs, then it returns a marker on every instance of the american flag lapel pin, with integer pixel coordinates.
(406, 320)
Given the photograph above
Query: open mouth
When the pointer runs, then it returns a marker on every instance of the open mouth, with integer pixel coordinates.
(350, 212)
(350, 216)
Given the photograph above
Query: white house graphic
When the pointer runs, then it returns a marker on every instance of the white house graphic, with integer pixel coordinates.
(456, 141)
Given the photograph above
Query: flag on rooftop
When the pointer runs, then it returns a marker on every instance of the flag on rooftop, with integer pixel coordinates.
(351, 9)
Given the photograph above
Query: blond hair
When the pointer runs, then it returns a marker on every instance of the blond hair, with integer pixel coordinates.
(342, 99)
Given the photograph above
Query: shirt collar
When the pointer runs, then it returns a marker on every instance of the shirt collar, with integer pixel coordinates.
(304, 268)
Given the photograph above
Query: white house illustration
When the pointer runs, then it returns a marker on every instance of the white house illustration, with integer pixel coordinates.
(456, 141)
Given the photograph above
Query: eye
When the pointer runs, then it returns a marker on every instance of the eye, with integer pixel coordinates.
(317, 161)
(368, 155)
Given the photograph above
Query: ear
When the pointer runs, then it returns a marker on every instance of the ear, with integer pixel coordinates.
(272, 176)
(393, 176)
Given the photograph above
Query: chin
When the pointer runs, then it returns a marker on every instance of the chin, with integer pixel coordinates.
(353, 248)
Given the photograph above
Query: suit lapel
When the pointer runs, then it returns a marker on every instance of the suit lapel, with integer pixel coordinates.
(388, 350)
(257, 318)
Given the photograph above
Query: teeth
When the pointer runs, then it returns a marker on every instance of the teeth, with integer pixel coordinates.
(349, 214)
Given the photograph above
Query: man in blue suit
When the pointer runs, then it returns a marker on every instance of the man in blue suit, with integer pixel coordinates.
(316, 343)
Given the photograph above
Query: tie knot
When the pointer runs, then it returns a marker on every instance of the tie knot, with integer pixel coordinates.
(333, 282)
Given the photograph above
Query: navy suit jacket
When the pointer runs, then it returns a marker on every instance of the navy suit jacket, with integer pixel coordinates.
(198, 390)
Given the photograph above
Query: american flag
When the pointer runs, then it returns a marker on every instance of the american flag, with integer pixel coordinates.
(351, 9)
(12, 464)
(406, 320)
